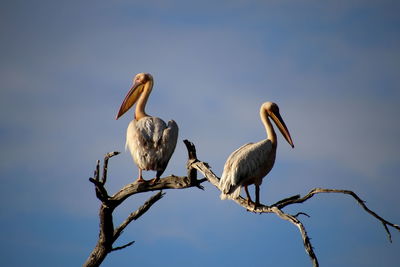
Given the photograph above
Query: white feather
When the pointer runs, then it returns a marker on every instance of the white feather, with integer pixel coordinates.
(151, 142)
(246, 165)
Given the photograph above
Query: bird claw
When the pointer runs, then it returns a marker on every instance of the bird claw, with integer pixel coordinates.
(140, 180)
(252, 203)
(154, 181)
(256, 205)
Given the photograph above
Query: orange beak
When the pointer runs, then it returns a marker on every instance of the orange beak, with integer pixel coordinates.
(130, 99)
(282, 127)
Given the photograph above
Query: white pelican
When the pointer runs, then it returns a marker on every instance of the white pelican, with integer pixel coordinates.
(251, 162)
(149, 139)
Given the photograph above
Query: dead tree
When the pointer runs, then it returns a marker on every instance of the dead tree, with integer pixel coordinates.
(108, 234)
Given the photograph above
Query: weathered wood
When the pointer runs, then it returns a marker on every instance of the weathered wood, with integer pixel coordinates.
(169, 182)
(279, 205)
(105, 165)
(107, 234)
(361, 202)
(136, 214)
(104, 243)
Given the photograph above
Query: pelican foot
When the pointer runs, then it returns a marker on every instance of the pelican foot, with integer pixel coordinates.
(140, 180)
(250, 202)
(154, 181)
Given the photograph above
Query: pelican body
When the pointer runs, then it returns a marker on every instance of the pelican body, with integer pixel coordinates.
(250, 163)
(149, 139)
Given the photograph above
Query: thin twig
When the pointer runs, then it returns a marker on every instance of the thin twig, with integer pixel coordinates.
(278, 206)
(105, 165)
(301, 213)
(96, 174)
(101, 192)
(306, 240)
(316, 191)
(136, 214)
(122, 247)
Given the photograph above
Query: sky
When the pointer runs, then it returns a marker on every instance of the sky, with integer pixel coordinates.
(333, 67)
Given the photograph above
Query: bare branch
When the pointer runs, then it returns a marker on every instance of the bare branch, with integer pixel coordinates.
(101, 192)
(136, 214)
(278, 206)
(301, 213)
(97, 171)
(346, 192)
(192, 157)
(108, 235)
(191, 149)
(169, 182)
(213, 179)
(122, 247)
(105, 165)
(286, 200)
(306, 240)
(205, 169)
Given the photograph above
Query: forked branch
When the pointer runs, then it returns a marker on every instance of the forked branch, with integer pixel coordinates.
(108, 234)
(276, 208)
(316, 191)
(136, 214)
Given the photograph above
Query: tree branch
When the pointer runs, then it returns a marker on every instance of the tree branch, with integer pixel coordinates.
(306, 240)
(136, 214)
(316, 191)
(105, 165)
(122, 247)
(108, 235)
(169, 182)
(279, 205)
(101, 192)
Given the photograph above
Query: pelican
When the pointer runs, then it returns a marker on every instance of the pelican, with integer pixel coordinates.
(149, 139)
(251, 162)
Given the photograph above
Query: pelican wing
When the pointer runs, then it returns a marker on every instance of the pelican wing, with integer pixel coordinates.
(245, 165)
(168, 141)
(151, 142)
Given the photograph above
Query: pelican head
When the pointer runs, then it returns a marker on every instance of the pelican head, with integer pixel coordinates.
(272, 111)
(143, 82)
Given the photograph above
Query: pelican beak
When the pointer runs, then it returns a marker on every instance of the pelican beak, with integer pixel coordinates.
(282, 127)
(130, 98)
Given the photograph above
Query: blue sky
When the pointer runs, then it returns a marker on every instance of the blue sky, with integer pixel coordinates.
(333, 68)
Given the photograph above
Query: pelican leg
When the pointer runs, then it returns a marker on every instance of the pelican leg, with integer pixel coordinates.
(257, 196)
(140, 178)
(158, 175)
(248, 195)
